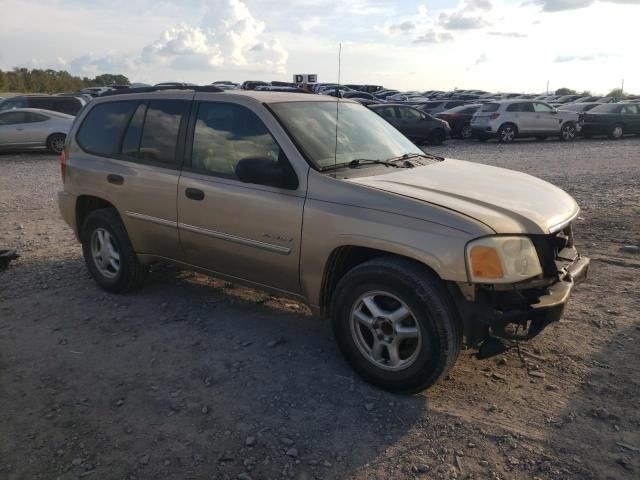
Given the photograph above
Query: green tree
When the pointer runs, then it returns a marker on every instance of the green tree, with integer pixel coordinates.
(24, 80)
(565, 91)
(616, 92)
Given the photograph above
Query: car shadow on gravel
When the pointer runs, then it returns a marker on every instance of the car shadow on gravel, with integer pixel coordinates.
(187, 377)
(598, 435)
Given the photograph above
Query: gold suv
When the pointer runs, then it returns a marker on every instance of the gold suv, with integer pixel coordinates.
(410, 255)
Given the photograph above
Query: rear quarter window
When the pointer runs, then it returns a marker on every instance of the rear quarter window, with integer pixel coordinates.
(102, 128)
(490, 107)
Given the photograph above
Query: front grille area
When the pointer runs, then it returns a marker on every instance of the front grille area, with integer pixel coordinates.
(549, 246)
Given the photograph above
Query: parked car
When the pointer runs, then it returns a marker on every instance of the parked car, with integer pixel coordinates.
(252, 84)
(509, 119)
(437, 106)
(382, 95)
(171, 84)
(68, 105)
(29, 128)
(411, 256)
(612, 119)
(358, 94)
(459, 119)
(578, 107)
(95, 91)
(417, 126)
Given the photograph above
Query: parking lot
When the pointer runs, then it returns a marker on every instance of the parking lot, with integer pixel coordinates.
(195, 378)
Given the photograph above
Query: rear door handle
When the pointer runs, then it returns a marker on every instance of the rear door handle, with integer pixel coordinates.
(115, 179)
(194, 194)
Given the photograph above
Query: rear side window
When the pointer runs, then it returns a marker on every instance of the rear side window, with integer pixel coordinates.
(131, 141)
(160, 132)
(490, 107)
(13, 118)
(68, 105)
(103, 127)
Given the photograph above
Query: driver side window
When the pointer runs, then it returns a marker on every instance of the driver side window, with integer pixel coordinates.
(226, 133)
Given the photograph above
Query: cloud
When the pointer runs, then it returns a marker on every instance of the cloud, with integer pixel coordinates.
(461, 21)
(480, 4)
(228, 37)
(508, 34)
(434, 37)
(92, 64)
(468, 16)
(562, 5)
(402, 27)
(481, 59)
(580, 58)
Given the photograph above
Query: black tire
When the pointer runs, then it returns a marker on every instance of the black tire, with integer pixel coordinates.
(465, 132)
(568, 132)
(130, 274)
(616, 132)
(432, 311)
(507, 133)
(55, 142)
(436, 137)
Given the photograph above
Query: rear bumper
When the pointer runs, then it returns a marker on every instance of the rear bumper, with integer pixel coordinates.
(480, 131)
(67, 206)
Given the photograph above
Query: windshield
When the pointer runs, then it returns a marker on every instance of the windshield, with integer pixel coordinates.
(361, 134)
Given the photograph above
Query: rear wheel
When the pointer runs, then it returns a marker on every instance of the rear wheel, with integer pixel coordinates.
(55, 142)
(616, 132)
(436, 137)
(466, 132)
(568, 132)
(395, 324)
(108, 253)
(507, 133)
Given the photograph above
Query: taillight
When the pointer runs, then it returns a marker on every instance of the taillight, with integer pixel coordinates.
(493, 116)
(63, 164)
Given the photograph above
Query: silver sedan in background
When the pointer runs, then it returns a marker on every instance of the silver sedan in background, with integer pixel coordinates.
(27, 128)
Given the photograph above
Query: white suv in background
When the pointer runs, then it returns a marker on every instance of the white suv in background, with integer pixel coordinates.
(510, 119)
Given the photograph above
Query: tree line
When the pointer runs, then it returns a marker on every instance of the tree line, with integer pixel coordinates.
(36, 80)
(616, 92)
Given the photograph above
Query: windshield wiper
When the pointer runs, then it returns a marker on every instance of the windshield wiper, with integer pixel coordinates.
(361, 161)
(408, 156)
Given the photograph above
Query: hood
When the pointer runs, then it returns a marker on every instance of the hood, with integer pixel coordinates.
(504, 200)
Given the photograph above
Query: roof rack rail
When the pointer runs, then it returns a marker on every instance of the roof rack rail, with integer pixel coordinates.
(195, 88)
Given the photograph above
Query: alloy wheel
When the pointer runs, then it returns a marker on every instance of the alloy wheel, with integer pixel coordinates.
(385, 331)
(568, 132)
(105, 253)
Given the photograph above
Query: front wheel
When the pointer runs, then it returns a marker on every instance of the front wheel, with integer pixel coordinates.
(395, 324)
(568, 132)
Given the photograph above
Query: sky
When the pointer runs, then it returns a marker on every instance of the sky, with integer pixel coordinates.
(495, 45)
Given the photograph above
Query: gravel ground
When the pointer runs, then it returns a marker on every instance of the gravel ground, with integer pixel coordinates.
(195, 378)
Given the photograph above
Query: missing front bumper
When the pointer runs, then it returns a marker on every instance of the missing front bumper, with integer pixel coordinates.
(526, 317)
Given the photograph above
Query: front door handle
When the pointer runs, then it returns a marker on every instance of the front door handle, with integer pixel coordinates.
(115, 179)
(194, 194)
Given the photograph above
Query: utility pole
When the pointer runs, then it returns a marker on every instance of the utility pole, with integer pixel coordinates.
(547, 87)
(622, 89)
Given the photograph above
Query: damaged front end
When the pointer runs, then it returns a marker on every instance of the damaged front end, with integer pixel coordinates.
(520, 311)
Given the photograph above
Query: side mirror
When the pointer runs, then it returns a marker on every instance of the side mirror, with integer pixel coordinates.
(265, 171)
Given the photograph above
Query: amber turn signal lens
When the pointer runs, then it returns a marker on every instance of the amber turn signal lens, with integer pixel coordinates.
(485, 262)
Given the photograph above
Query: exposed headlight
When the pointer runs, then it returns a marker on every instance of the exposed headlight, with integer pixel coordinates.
(502, 260)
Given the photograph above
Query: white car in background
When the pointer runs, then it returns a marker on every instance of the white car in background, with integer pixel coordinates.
(27, 128)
